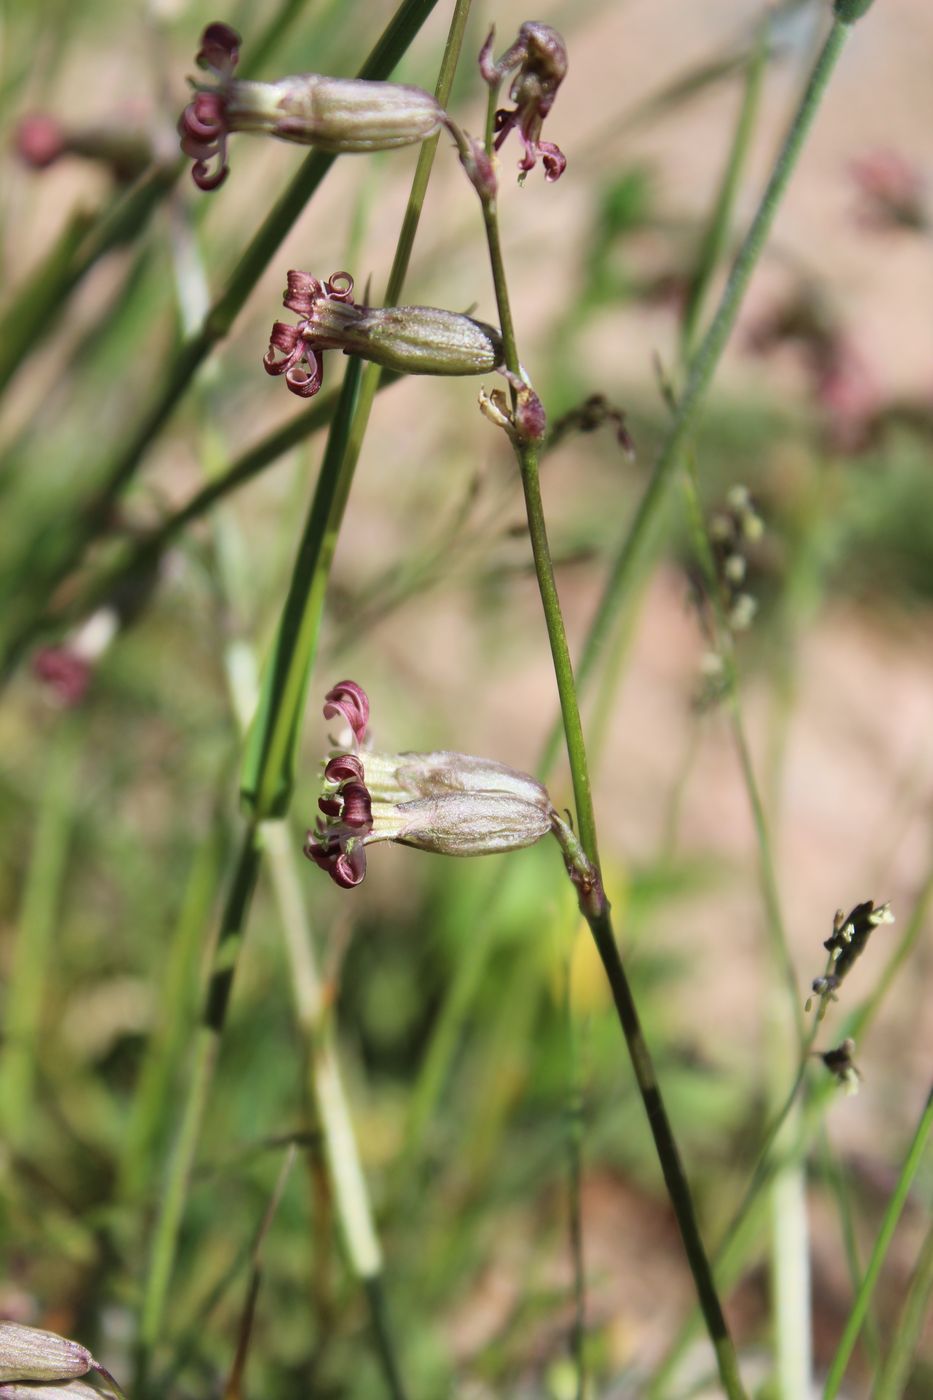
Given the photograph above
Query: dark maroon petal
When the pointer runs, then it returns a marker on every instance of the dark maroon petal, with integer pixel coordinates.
(286, 339)
(349, 869)
(330, 806)
(302, 383)
(302, 292)
(345, 767)
(339, 286)
(357, 806)
(350, 700)
(555, 162)
(220, 49)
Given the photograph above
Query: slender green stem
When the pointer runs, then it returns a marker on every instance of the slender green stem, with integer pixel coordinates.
(268, 768)
(644, 529)
(892, 1382)
(213, 1020)
(885, 1235)
(713, 246)
(574, 1190)
(723, 638)
(63, 551)
(593, 903)
(32, 954)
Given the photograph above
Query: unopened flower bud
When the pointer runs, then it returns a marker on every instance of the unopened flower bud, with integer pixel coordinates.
(450, 803)
(30, 1354)
(333, 114)
(407, 339)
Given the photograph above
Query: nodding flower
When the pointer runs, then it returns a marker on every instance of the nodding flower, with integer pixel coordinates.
(333, 114)
(408, 339)
(451, 803)
(539, 58)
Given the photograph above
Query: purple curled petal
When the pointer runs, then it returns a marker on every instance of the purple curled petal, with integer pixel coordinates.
(357, 806)
(555, 162)
(346, 767)
(220, 49)
(302, 292)
(350, 700)
(339, 286)
(349, 869)
(330, 806)
(302, 383)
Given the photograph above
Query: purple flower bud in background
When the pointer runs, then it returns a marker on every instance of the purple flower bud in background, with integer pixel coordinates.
(539, 59)
(450, 803)
(893, 193)
(408, 339)
(333, 114)
(121, 144)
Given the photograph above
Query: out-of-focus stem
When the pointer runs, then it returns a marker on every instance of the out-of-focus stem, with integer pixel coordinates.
(595, 907)
(644, 529)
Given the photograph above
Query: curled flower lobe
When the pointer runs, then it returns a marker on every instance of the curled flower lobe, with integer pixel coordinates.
(203, 129)
(538, 59)
(351, 701)
(300, 346)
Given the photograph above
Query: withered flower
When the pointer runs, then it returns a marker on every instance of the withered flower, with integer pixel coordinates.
(845, 945)
(539, 60)
(408, 339)
(333, 114)
(451, 803)
(840, 1064)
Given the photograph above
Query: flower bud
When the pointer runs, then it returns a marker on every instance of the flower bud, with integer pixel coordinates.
(333, 114)
(450, 803)
(29, 1354)
(407, 339)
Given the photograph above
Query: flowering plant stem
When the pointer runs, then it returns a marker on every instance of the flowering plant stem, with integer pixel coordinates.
(644, 529)
(595, 907)
(267, 775)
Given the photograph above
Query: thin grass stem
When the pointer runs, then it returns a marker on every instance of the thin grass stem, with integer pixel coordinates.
(892, 1215)
(595, 906)
(642, 534)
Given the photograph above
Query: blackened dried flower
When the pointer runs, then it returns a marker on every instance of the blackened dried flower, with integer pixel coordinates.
(408, 339)
(839, 1062)
(539, 60)
(450, 803)
(845, 945)
(333, 114)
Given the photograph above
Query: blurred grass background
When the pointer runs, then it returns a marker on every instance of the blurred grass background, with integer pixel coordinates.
(449, 978)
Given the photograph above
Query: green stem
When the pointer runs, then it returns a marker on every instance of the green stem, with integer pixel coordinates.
(643, 531)
(213, 1019)
(895, 1374)
(66, 551)
(269, 762)
(885, 1235)
(594, 905)
(33, 954)
(713, 247)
